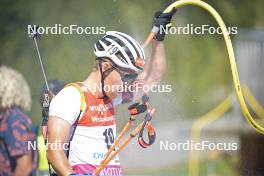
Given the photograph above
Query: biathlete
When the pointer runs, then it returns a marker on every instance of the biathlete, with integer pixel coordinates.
(83, 114)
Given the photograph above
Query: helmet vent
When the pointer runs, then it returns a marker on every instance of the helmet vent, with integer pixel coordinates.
(99, 46)
(120, 56)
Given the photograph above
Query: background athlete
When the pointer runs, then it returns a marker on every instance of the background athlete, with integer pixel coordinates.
(119, 60)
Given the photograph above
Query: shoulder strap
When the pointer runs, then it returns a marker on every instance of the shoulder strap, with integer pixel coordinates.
(76, 85)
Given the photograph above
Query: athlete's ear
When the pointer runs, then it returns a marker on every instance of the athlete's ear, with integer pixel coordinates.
(106, 66)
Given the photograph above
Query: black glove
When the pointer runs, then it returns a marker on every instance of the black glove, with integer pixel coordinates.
(137, 108)
(162, 19)
(45, 100)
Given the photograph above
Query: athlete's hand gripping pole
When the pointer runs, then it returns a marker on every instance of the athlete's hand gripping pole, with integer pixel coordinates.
(161, 22)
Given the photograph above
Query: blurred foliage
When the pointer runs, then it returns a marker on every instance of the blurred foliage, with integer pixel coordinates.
(198, 66)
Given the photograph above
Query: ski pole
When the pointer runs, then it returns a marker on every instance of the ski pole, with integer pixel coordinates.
(35, 35)
(120, 136)
(127, 140)
(134, 110)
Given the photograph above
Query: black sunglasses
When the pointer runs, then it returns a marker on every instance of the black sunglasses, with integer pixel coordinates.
(125, 76)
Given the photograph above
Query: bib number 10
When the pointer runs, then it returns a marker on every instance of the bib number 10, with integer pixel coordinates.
(109, 137)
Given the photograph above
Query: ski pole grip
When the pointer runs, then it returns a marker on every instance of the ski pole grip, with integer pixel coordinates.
(137, 108)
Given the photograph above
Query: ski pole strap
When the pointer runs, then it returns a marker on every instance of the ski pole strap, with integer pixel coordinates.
(151, 132)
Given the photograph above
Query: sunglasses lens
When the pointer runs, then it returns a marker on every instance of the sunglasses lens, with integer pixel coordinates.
(126, 77)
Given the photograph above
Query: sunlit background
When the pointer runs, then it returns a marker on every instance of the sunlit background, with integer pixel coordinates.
(197, 68)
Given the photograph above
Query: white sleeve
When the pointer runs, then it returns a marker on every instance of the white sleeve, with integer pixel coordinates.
(66, 104)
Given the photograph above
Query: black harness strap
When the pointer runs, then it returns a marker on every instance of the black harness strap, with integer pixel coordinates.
(102, 77)
(104, 74)
(73, 131)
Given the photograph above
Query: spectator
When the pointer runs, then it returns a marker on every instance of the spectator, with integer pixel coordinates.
(16, 129)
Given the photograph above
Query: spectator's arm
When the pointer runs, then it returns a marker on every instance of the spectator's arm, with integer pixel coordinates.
(23, 165)
(17, 139)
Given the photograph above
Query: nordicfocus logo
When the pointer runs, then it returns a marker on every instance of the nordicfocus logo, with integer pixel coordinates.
(57, 145)
(136, 86)
(59, 29)
(101, 107)
(198, 146)
(190, 29)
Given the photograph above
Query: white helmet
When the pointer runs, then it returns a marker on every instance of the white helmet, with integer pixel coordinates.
(122, 50)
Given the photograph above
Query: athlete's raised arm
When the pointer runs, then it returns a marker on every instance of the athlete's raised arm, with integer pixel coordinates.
(155, 68)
